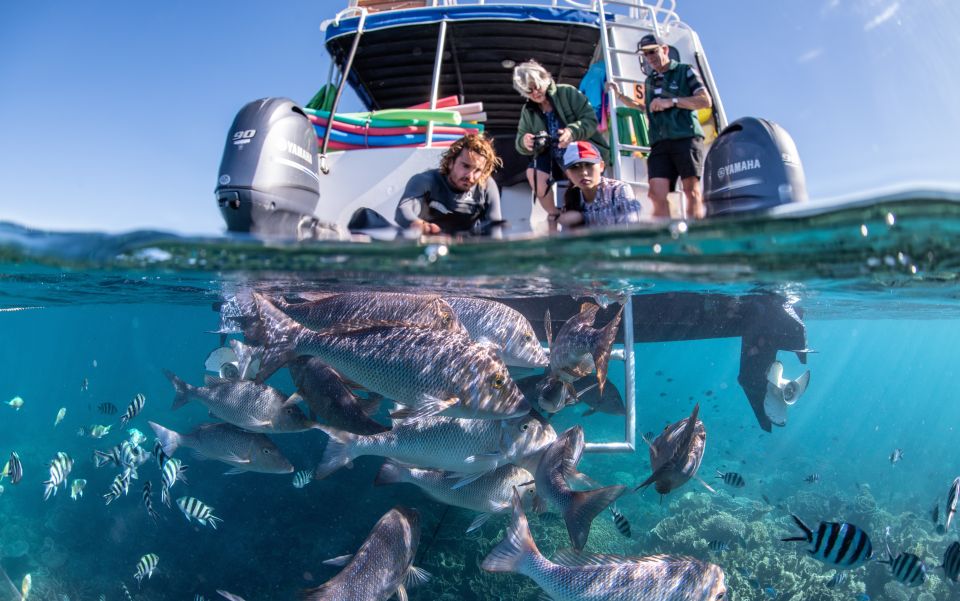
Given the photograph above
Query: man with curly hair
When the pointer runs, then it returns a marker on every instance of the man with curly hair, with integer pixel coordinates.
(459, 196)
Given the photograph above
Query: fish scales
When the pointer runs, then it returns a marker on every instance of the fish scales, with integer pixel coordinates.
(381, 564)
(330, 398)
(406, 364)
(419, 309)
(491, 493)
(447, 443)
(503, 326)
(229, 444)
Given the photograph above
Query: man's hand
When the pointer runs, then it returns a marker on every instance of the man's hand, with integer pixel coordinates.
(661, 104)
(528, 142)
(425, 227)
(564, 137)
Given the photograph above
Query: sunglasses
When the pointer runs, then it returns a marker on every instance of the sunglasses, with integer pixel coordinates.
(650, 52)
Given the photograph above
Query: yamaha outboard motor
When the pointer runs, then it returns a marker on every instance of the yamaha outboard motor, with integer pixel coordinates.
(268, 183)
(753, 165)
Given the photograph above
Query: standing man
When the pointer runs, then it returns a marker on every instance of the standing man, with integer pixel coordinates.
(673, 92)
(458, 197)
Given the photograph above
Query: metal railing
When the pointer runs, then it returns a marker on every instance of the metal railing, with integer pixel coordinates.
(344, 76)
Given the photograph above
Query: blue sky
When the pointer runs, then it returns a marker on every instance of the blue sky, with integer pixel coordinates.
(114, 114)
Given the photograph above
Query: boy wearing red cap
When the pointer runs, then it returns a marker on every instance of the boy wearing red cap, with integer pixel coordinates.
(593, 199)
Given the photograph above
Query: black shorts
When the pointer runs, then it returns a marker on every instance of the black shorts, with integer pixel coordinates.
(544, 162)
(671, 159)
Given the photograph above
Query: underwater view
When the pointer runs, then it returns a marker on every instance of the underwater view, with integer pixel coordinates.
(208, 418)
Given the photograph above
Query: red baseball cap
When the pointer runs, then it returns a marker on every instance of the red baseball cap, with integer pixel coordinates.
(580, 152)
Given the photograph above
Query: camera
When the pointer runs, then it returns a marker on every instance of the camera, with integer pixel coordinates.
(542, 141)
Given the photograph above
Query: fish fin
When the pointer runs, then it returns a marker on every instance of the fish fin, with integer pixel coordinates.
(338, 561)
(601, 350)
(337, 452)
(588, 412)
(390, 473)
(548, 327)
(689, 433)
(428, 406)
(572, 558)
(479, 521)
(807, 532)
(402, 593)
(468, 479)
(293, 399)
(229, 596)
(369, 405)
(653, 449)
(516, 545)
(545, 597)
(539, 504)
(581, 479)
(584, 507)
(181, 389)
(169, 440)
(280, 334)
(666, 467)
(704, 482)
(416, 576)
(234, 471)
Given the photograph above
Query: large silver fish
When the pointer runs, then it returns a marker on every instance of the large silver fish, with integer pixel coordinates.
(553, 394)
(557, 466)
(580, 348)
(382, 567)
(331, 399)
(490, 494)
(504, 327)
(249, 405)
(245, 451)
(430, 371)
(573, 576)
(468, 446)
(676, 454)
(325, 310)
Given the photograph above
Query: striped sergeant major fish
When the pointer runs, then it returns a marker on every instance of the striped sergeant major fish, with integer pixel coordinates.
(13, 469)
(146, 566)
(59, 470)
(133, 409)
(732, 478)
(623, 526)
(812, 478)
(198, 510)
(951, 562)
(119, 486)
(302, 478)
(148, 500)
(952, 497)
(838, 579)
(718, 546)
(839, 544)
(159, 454)
(907, 568)
(171, 472)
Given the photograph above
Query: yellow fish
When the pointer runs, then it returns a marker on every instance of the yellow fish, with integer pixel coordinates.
(25, 587)
(16, 402)
(60, 414)
(100, 431)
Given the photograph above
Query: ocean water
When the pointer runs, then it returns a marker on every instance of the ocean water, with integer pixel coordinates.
(874, 285)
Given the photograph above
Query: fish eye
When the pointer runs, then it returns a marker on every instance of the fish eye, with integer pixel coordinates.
(721, 596)
(528, 337)
(499, 381)
(445, 317)
(524, 427)
(266, 451)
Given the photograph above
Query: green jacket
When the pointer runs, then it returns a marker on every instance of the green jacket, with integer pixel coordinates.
(678, 81)
(573, 108)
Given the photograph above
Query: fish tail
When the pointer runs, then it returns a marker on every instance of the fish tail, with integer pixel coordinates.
(337, 452)
(49, 489)
(169, 440)
(278, 333)
(601, 350)
(390, 473)
(807, 532)
(181, 389)
(584, 507)
(517, 544)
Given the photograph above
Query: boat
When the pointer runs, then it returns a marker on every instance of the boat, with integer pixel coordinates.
(429, 71)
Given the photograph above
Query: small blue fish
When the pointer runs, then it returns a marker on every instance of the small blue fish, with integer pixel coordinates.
(770, 591)
(863, 597)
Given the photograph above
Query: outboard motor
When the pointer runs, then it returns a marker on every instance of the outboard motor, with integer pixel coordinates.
(753, 165)
(268, 182)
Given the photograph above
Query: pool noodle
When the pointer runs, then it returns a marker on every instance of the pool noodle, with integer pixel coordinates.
(353, 119)
(342, 146)
(442, 103)
(381, 141)
(401, 129)
(444, 117)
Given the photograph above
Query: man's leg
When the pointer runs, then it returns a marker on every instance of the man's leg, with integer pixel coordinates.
(691, 190)
(540, 183)
(659, 187)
